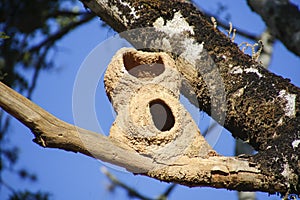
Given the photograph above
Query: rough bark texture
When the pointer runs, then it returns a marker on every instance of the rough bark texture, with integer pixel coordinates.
(282, 18)
(262, 108)
(240, 146)
(254, 104)
(213, 171)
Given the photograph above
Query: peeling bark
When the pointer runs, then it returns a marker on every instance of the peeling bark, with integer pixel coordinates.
(262, 108)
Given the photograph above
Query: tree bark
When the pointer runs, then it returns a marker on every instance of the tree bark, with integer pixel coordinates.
(282, 18)
(262, 108)
(215, 171)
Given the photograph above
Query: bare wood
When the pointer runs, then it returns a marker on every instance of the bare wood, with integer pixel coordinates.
(237, 69)
(215, 171)
(51, 132)
(261, 107)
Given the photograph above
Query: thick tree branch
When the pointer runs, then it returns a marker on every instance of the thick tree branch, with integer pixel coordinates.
(261, 108)
(282, 18)
(215, 171)
(240, 146)
(53, 133)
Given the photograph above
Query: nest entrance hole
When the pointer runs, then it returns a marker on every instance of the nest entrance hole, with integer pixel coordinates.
(143, 67)
(162, 115)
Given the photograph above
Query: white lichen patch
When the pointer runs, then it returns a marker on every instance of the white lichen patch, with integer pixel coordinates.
(159, 23)
(239, 70)
(178, 25)
(236, 70)
(133, 12)
(115, 9)
(132, 9)
(252, 70)
(295, 144)
(192, 51)
(290, 106)
(286, 171)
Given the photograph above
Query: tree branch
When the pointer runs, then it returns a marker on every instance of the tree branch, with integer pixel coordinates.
(53, 133)
(260, 107)
(282, 18)
(60, 33)
(50, 132)
(66, 13)
(117, 183)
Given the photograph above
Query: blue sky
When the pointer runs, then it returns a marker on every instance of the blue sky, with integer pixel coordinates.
(74, 176)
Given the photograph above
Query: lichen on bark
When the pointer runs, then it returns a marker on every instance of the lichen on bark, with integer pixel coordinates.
(256, 108)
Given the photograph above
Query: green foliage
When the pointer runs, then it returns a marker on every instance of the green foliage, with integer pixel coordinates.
(29, 31)
(3, 36)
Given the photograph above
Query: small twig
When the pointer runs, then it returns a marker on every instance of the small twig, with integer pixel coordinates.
(238, 31)
(167, 192)
(5, 124)
(37, 70)
(233, 35)
(131, 191)
(62, 32)
(66, 13)
(255, 54)
(2, 182)
(231, 30)
(209, 128)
